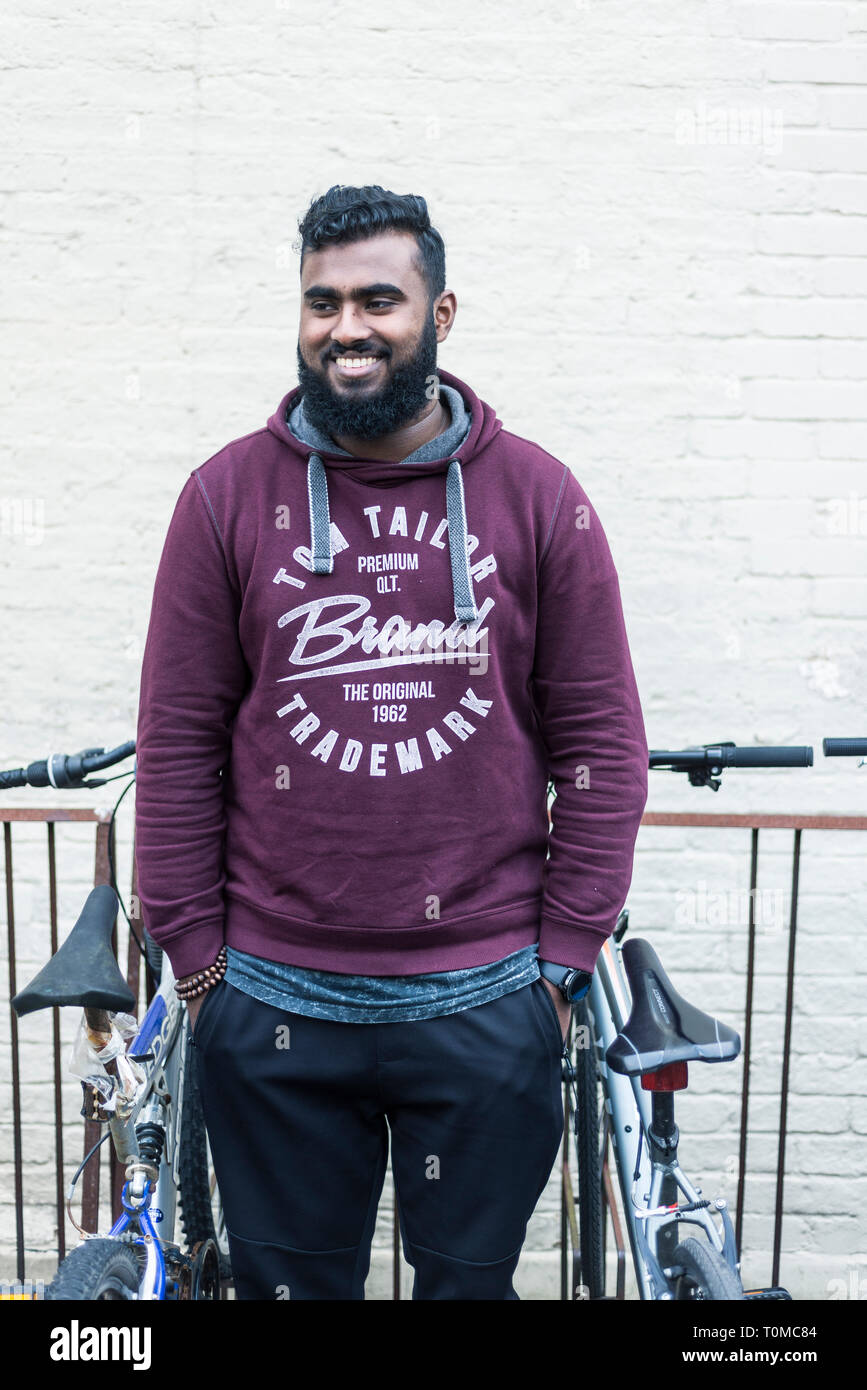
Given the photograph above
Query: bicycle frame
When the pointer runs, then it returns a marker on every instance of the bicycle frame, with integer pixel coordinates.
(148, 1204)
(641, 1167)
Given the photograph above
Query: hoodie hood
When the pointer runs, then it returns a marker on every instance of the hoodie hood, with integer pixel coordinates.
(484, 427)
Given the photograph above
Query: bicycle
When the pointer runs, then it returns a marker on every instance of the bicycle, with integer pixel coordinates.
(139, 1080)
(636, 1056)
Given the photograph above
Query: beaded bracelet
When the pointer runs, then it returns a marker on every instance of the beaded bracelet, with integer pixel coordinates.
(198, 984)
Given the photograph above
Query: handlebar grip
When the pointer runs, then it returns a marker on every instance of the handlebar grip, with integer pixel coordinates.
(63, 770)
(844, 747)
(37, 774)
(799, 756)
(15, 777)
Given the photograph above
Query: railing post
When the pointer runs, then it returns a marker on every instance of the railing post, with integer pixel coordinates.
(787, 1042)
(748, 1035)
(92, 1128)
(55, 1030)
(16, 1072)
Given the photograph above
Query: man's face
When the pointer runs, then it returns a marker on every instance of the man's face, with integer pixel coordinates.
(367, 342)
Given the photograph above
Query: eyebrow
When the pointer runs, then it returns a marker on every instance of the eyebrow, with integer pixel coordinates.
(365, 292)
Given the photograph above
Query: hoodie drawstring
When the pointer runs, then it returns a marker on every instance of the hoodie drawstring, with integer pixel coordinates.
(322, 558)
(320, 518)
(462, 581)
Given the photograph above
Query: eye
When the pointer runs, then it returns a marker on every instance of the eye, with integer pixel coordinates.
(380, 303)
(320, 304)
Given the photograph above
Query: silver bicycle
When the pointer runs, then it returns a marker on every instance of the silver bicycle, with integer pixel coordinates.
(627, 1053)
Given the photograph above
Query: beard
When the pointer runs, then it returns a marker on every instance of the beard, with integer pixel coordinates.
(365, 414)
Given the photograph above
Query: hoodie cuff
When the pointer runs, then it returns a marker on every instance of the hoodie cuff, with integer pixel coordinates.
(194, 949)
(570, 944)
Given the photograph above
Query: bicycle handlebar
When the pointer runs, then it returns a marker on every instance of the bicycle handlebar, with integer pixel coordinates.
(62, 770)
(700, 764)
(721, 755)
(844, 747)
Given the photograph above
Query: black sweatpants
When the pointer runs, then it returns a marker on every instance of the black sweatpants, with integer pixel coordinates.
(298, 1112)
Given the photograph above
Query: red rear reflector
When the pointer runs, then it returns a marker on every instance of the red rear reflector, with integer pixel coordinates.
(670, 1078)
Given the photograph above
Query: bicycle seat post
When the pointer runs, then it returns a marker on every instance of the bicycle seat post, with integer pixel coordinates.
(663, 1137)
(663, 1133)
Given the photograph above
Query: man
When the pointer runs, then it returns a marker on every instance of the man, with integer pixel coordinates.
(380, 625)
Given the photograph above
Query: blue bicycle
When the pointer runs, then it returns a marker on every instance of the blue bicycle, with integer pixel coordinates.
(138, 1079)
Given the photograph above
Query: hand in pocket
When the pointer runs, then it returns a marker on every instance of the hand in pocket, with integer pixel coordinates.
(564, 1009)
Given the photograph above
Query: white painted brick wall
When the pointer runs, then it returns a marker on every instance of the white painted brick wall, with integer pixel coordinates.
(656, 226)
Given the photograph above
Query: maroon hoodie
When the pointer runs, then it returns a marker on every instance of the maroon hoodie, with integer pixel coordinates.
(336, 771)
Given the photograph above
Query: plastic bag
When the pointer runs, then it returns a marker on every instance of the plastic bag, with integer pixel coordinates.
(87, 1062)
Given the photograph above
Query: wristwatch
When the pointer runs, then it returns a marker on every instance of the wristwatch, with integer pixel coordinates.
(572, 984)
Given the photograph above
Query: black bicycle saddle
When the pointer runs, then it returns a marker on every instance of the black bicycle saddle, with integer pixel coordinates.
(662, 1026)
(84, 970)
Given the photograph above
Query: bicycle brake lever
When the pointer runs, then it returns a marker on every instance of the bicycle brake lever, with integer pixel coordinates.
(701, 777)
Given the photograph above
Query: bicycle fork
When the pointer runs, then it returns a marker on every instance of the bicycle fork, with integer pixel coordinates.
(139, 1148)
(142, 1175)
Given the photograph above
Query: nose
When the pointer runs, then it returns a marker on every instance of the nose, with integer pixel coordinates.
(350, 326)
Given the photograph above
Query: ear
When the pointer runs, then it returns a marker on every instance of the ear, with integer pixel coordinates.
(445, 308)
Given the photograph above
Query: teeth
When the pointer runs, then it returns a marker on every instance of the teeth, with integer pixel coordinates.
(355, 361)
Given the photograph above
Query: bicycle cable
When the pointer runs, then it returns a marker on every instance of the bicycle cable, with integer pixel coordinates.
(76, 1175)
(111, 867)
(637, 1174)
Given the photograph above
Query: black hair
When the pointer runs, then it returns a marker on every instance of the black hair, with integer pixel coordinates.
(345, 214)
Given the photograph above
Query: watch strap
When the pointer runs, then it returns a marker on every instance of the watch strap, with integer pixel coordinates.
(555, 973)
(563, 976)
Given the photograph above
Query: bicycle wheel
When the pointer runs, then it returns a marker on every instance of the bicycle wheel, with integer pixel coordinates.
(590, 1213)
(100, 1269)
(201, 1208)
(704, 1273)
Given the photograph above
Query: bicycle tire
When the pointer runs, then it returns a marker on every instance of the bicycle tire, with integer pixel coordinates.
(705, 1274)
(201, 1212)
(100, 1269)
(589, 1159)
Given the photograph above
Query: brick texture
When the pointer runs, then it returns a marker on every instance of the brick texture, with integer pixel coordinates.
(656, 228)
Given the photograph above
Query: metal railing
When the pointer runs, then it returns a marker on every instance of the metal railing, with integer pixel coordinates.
(90, 1180)
(104, 850)
(754, 823)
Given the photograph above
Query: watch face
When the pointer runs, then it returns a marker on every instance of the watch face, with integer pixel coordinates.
(578, 984)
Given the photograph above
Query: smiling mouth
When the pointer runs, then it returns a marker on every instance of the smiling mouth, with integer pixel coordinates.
(350, 365)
